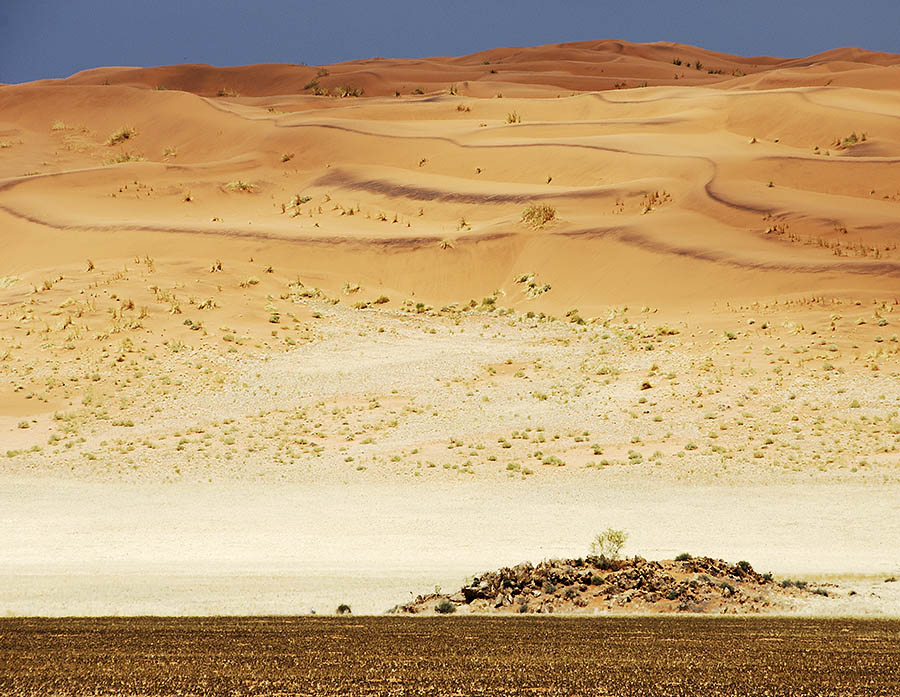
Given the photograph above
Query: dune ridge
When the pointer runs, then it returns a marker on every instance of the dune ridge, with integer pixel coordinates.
(575, 66)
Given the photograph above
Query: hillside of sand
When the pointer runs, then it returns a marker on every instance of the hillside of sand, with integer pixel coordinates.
(566, 270)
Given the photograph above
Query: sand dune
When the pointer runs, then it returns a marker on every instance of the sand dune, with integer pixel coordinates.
(578, 67)
(743, 180)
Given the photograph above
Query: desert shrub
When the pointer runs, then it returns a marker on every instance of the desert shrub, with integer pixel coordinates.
(349, 91)
(684, 556)
(602, 562)
(344, 609)
(787, 583)
(537, 215)
(850, 140)
(125, 156)
(445, 607)
(121, 135)
(609, 543)
(744, 566)
(573, 316)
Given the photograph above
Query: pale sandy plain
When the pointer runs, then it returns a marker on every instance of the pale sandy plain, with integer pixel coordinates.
(264, 350)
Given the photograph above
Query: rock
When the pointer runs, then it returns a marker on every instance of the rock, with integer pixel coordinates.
(700, 584)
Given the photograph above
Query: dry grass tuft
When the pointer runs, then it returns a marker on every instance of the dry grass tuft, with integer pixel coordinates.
(239, 185)
(121, 135)
(538, 214)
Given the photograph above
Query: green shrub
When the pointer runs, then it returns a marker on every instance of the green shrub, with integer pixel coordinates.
(445, 607)
(787, 583)
(684, 556)
(609, 543)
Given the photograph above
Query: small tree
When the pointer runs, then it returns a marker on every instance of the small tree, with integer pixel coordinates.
(343, 609)
(609, 543)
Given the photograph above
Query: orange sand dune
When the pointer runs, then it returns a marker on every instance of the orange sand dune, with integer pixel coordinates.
(529, 71)
(747, 177)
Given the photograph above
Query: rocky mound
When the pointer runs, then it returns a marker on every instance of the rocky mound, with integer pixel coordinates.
(600, 585)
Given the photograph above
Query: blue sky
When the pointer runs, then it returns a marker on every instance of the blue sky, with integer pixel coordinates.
(55, 38)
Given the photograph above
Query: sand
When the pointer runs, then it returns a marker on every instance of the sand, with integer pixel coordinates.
(295, 350)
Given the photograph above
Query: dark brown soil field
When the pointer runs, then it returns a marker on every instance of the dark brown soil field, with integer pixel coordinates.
(449, 656)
